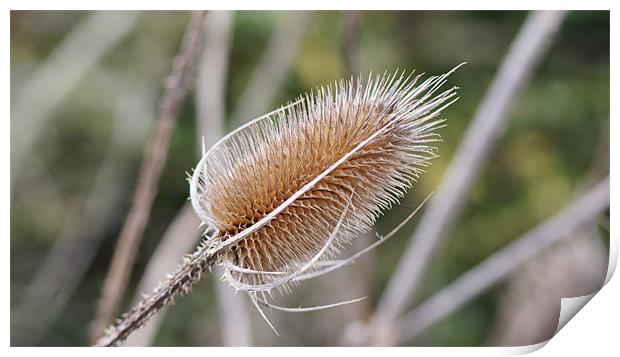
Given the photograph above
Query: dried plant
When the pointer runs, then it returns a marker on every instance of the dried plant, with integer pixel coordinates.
(281, 196)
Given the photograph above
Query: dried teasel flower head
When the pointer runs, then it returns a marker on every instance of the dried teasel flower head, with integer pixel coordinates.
(283, 194)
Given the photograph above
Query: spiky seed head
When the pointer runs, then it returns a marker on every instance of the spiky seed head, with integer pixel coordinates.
(276, 190)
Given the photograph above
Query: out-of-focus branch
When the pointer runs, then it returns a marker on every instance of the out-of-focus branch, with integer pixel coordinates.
(210, 107)
(233, 311)
(351, 42)
(530, 306)
(211, 84)
(349, 283)
(49, 84)
(148, 179)
(487, 125)
(183, 232)
(234, 315)
(272, 68)
(63, 268)
(582, 210)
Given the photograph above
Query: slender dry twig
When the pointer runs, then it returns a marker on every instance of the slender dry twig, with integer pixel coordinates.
(183, 234)
(50, 83)
(209, 108)
(272, 68)
(487, 125)
(148, 179)
(582, 210)
(338, 159)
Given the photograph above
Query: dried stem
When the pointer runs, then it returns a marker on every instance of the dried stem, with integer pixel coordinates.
(211, 112)
(148, 180)
(582, 210)
(188, 274)
(183, 232)
(487, 125)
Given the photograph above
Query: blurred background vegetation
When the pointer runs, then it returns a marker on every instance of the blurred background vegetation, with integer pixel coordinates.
(554, 135)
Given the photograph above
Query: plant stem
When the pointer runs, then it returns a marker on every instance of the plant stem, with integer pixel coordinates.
(148, 180)
(179, 283)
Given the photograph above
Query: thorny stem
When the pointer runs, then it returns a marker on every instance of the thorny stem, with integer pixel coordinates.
(177, 284)
(148, 180)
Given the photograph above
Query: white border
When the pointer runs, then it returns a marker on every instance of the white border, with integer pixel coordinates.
(593, 328)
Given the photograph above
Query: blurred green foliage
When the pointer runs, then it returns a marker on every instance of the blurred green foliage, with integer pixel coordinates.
(549, 146)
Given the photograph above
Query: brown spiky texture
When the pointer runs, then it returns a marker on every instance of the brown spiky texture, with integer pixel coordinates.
(275, 191)
(283, 194)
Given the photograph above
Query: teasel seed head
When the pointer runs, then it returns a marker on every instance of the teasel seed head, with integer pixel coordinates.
(284, 194)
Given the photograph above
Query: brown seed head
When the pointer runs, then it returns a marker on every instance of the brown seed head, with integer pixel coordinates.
(299, 183)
